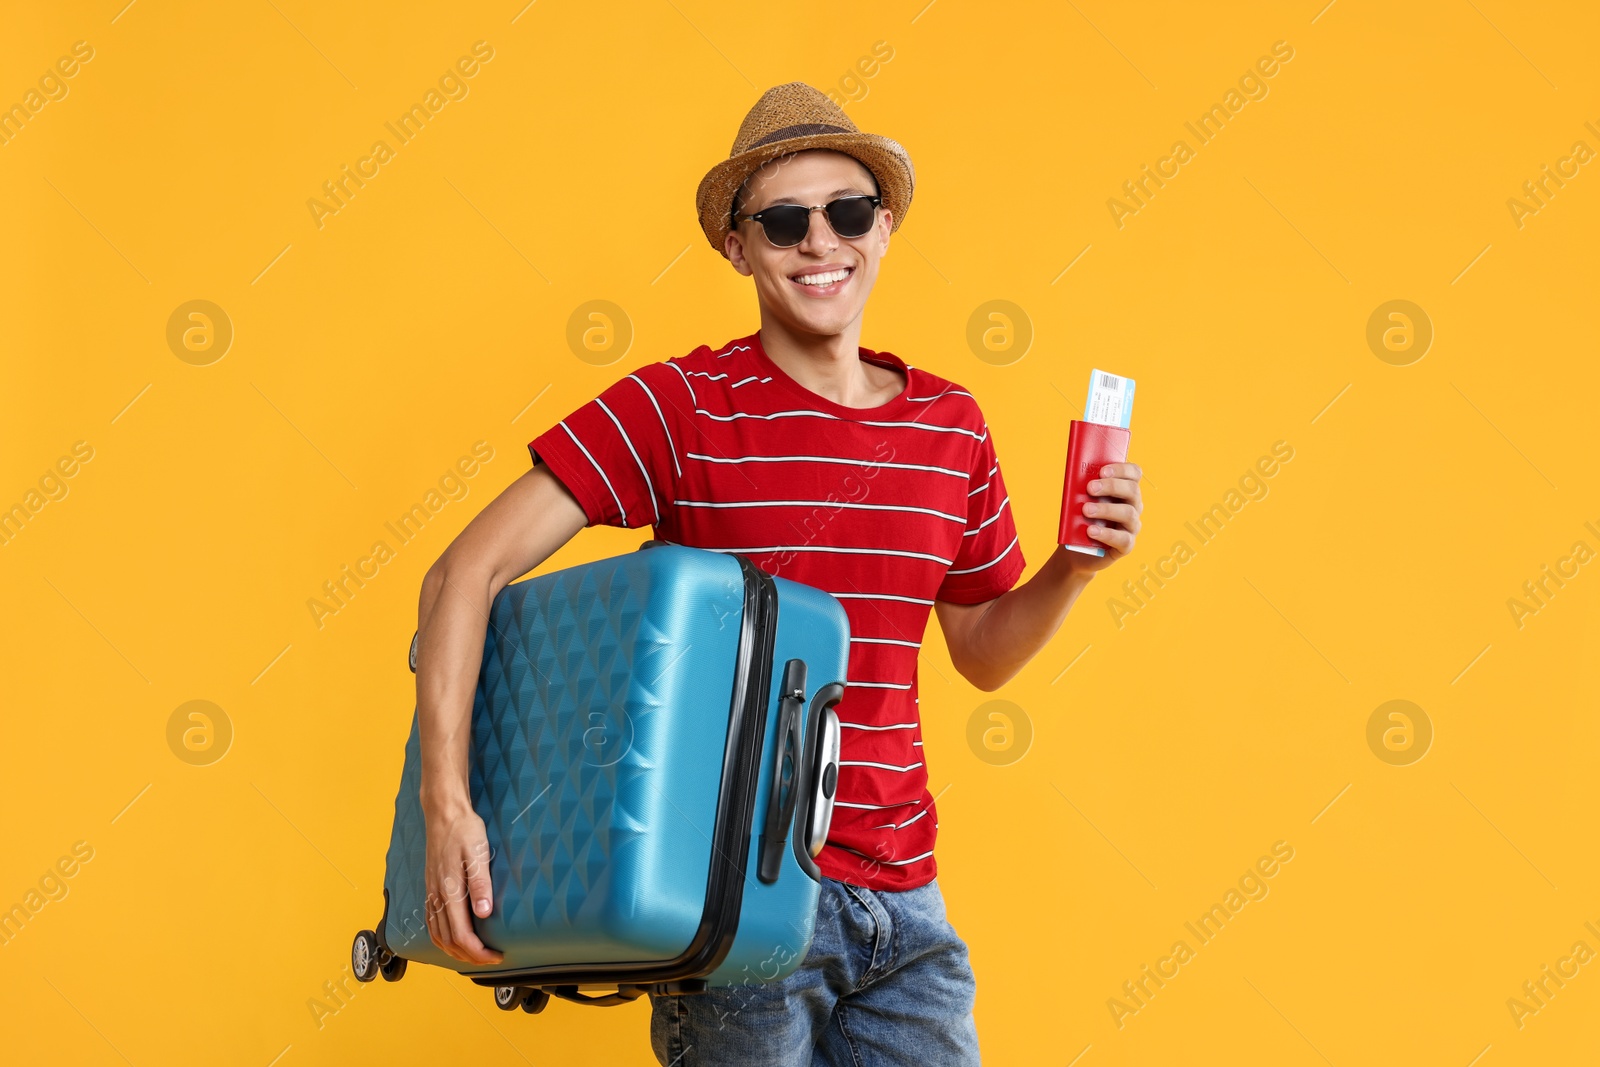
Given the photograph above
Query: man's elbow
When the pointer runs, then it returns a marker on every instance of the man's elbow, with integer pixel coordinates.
(988, 683)
(449, 571)
(980, 676)
(964, 638)
(433, 580)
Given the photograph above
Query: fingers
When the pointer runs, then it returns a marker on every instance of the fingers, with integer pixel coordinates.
(1119, 481)
(1130, 471)
(467, 945)
(438, 924)
(1126, 514)
(1125, 488)
(448, 916)
(478, 887)
(440, 931)
(450, 926)
(1121, 540)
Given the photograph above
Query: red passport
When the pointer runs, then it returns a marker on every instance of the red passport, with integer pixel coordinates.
(1090, 446)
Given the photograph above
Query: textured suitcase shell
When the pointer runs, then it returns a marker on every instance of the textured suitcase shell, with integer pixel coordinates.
(601, 767)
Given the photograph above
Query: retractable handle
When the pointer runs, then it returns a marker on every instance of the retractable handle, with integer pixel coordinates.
(785, 771)
(819, 777)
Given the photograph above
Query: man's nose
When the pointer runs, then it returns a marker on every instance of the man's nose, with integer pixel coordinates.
(819, 234)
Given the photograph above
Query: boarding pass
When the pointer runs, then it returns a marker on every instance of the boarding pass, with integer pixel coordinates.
(1110, 400)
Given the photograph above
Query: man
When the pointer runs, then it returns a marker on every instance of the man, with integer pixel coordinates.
(827, 463)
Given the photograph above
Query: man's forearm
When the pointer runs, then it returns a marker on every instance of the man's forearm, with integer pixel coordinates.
(520, 529)
(452, 620)
(1018, 624)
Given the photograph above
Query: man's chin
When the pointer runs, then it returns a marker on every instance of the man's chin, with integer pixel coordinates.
(800, 314)
(822, 321)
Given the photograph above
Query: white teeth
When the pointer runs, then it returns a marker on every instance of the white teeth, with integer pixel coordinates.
(823, 279)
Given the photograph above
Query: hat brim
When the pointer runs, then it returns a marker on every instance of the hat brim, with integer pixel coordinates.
(884, 157)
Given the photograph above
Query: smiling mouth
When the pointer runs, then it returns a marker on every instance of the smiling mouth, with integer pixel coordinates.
(823, 281)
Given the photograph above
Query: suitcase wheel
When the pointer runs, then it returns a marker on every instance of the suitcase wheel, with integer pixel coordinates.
(512, 997)
(393, 969)
(364, 956)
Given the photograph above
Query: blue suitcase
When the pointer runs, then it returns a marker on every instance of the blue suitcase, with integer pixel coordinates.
(631, 718)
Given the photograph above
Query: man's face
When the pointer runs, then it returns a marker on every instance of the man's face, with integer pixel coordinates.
(814, 176)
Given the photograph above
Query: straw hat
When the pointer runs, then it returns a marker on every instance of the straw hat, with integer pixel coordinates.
(791, 118)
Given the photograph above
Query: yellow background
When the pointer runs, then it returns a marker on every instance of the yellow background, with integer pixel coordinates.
(1227, 714)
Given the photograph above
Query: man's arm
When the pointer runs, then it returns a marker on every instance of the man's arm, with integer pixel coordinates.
(990, 642)
(518, 530)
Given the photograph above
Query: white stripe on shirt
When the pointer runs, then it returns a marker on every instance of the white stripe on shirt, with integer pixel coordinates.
(818, 503)
(808, 413)
(872, 807)
(825, 459)
(686, 383)
(886, 863)
(597, 467)
(759, 549)
(670, 443)
(998, 512)
(984, 566)
(985, 485)
(900, 826)
(913, 859)
(880, 766)
(650, 485)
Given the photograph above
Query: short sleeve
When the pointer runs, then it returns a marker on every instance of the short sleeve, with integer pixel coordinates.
(616, 454)
(990, 559)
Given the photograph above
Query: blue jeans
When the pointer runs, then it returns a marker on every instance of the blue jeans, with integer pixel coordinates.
(886, 981)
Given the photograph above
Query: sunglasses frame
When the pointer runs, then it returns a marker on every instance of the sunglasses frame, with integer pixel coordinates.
(877, 202)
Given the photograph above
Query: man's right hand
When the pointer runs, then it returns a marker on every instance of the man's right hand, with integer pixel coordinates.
(457, 870)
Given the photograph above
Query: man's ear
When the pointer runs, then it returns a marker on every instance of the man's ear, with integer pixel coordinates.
(734, 244)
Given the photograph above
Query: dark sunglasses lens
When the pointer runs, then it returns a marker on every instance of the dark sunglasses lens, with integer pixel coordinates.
(786, 224)
(851, 216)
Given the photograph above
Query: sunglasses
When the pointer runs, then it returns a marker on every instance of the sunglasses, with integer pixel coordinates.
(786, 225)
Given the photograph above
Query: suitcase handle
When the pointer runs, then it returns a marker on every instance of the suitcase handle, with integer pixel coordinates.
(820, 778)
(785, 771)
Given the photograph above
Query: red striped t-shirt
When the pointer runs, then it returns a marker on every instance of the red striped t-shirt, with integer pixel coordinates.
(888, 508)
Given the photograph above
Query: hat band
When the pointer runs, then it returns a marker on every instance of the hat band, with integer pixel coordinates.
(803, 130)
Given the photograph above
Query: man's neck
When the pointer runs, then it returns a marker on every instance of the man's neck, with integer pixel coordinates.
(829, 365)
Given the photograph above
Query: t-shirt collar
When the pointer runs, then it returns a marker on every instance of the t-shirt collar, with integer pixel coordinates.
(821, 403)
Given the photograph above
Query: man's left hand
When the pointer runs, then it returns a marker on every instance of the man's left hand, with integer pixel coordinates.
(1114, 523)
